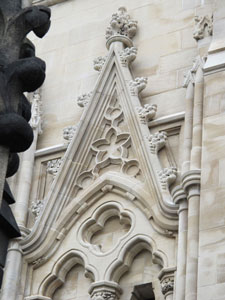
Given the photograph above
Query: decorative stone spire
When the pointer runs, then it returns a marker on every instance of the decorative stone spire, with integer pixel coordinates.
(203, 27)
(122, 28)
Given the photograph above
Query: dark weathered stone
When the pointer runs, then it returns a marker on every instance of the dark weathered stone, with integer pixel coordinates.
(20, 71)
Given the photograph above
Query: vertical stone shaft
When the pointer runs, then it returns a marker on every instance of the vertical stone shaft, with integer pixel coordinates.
(193, 190)
(24, 185)
(4, 154)
(188, 125)
(12, 269)
(182, 250)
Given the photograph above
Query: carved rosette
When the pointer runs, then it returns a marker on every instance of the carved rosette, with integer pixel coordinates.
(167, 176)
(84, 99)
(157, 141)
(128, 55)
(68, 132)
(99, 63)
(147, 112)
(53, 166)
(203, 27)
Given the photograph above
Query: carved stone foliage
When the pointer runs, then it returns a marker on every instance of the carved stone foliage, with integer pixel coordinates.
(36, 208)
(203, 27)
(128, 55)
(68, 132)
(121, 24)
(99, 63)
(83, 100)
(104, 296)
(147, 112)
(137, 85)
(36, 112)
(53, 166)
(167, 176)
(157, 141)
(167, 285)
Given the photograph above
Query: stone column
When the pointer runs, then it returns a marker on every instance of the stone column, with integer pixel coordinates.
(180, 198)
(166, 277)
(191, 184)
(27, 165)
(105, 290)
(12, 269)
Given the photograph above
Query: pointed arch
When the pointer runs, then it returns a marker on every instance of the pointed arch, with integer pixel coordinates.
(60, 269)
(127, 254)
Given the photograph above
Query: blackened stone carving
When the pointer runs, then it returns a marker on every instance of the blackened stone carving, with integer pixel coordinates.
(20, 70)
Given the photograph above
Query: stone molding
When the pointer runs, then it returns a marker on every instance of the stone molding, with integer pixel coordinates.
(203, 27)
(191, 178)
(157, 141)
(137, 85)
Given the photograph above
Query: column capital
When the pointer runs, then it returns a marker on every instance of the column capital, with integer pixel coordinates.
(191, 178)
(166, 277)
(105, 290)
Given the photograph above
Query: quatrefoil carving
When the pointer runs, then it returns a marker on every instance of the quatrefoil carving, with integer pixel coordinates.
(99, 237)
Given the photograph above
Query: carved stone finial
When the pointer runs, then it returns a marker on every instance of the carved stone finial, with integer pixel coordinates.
(167, 176)
(203, 27)
(99, 63)
(53, 166)
(157, 141)
(147, 112)
(36, 208)
(36, 112)
(128, 55)
(137, 85)
(68, 132)
(83, 100)
(122, 27)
